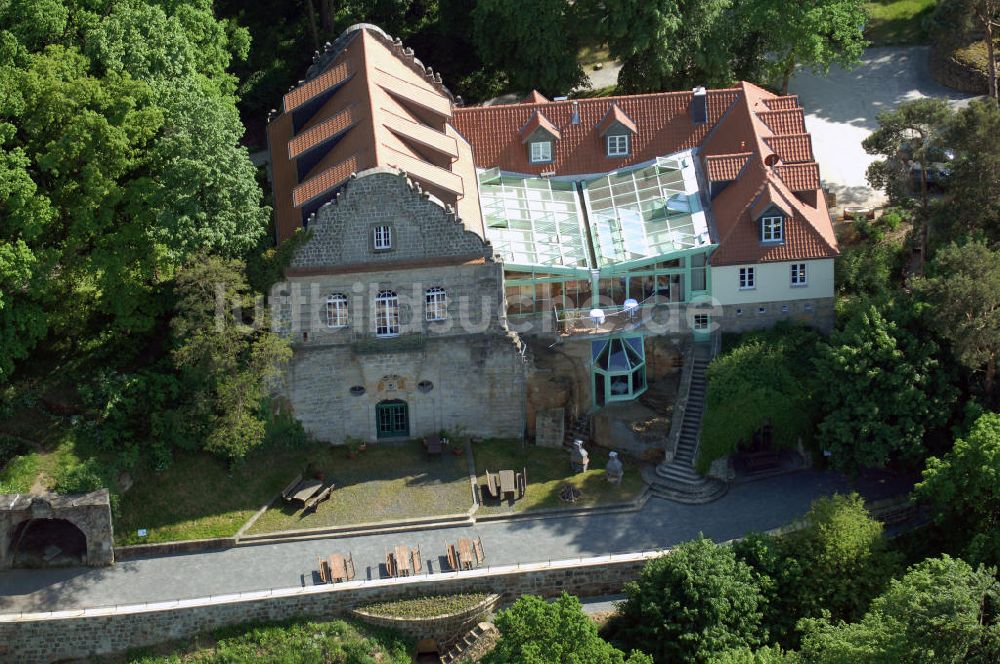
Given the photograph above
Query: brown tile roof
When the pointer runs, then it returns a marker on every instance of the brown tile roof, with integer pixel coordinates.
(726, 167)
(800, 177)
(325, 180)
(386, 110)
(782, 103)
(615, 116)
(538, 121)
(663, 121)
(792, 148)
(784, 122)
(332, 77)
(323, 131)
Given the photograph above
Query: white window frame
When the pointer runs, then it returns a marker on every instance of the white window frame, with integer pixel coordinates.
(618, 145)
(798, 276)
(436, 303)
(540, 152)
(336, 311)
(701, 322)
(773, 227)
(386, 314)
(382, 238)
(748, 278)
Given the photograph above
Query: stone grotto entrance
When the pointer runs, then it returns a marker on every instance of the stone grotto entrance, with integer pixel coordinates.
(47, 543)
(51, 530)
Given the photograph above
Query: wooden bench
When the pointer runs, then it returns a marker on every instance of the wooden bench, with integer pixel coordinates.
(760, 460)
(415, 554)
(477, 548)
(491, 485)
(324, 571)
(522, 483)
(320, 497)
(289, 491)
(452, 557)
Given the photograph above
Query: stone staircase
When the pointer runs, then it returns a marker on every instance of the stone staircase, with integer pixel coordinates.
(677, 479)
(472, 645)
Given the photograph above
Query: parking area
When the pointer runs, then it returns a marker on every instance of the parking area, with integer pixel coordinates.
(841, 111)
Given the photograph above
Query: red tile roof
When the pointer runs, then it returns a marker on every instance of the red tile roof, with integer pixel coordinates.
(535, 97)
(792, 148)
(538, 121)
(332, 77)
(784, 122)
(800, 177)
(782, 103)
(663, 121)
(320, 133)
(615, 116)
(726, 167)
(325, 180)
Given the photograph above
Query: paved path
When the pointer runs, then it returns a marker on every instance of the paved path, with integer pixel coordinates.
(841, 111)
(754, 506)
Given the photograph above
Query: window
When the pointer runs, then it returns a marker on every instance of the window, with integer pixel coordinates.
(772, 229)
(541, 151)
(701, 322)
(383, 238)
(386, 314)
(747, 279)
(336, 310)
(437, 303)
(798, 272)
(618, 145)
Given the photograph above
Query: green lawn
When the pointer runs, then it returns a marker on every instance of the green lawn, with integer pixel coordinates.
(386, 482)
(548, 470)
(897, 22)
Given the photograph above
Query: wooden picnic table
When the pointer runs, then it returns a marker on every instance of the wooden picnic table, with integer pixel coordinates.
(338, 568)
(465, 555)
(305, 490)
(507, 484)
(403, 561)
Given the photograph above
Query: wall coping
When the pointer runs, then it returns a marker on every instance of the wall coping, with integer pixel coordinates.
(256, 595)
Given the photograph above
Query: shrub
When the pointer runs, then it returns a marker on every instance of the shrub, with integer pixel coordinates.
(425, 607)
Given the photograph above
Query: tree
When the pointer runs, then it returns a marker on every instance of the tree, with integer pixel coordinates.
(973, 200)
(691, 604)
(911, 134)
(227, 368)
(764, 381)
(812, 33)
(666, 44)
(536, 46)
(120, 140)
(964, 291)
(780, 577)
(765, 655)
(884, 388)
(558, 632)
(962, 489)
(843, 555)
(954, 22)
(938, 612)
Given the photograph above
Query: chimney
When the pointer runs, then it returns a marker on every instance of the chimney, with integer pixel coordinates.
(574, 118)
(699, 106)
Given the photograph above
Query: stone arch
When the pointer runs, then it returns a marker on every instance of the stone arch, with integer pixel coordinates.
(30, 524)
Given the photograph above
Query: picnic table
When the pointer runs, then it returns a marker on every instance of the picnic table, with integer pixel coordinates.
(301, 489)
(468, 553)
(402, 561)
(506, 482)
(336, 568)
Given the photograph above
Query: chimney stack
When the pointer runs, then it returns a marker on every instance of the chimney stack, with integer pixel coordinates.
(699, 105)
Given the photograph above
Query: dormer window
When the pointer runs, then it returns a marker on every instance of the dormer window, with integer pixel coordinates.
(541, 152)
(772, 229)
(618, 145)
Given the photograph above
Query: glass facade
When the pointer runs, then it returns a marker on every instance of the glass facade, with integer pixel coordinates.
(619, 369)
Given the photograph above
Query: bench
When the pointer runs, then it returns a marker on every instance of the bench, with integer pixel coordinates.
(491, 485)
(477, 548)
(289, 491)
(452, 557)
(760, 460)
(320, 497)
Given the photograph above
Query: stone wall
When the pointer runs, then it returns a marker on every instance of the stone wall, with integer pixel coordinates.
(47, 637)
(440, 628)
(474, 383)
(90, 513)
(817, 313)
(342, 230)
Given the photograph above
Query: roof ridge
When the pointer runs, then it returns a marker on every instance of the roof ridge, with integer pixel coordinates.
(592, 100)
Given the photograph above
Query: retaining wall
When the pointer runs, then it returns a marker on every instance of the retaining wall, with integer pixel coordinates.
(440, 628)
(47, 637)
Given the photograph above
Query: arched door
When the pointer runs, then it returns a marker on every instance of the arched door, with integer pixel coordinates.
(392, 419)
(47, 542)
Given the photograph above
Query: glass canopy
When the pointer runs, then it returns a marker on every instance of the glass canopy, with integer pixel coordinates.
(646, 212)
(533, 221)
(634, 214)
(619, 369)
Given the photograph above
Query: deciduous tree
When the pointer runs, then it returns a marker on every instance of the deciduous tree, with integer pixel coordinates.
(558, 632)
(692, 604)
